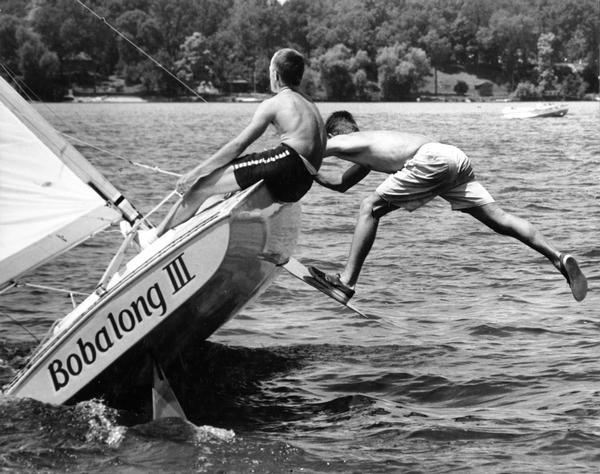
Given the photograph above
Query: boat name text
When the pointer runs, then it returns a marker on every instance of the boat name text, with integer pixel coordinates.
(117, 325)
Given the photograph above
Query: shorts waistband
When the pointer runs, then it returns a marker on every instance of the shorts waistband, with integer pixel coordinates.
(307, 164)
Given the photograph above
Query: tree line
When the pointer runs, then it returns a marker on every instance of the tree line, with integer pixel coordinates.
(355, 49)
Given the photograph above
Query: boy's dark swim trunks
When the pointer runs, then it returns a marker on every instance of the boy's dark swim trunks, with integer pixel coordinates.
(283, 170)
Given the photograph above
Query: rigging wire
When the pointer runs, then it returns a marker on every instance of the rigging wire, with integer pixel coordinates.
(121, 157)
(139, 49)
(33, 97)
(22, 85)
(22, 326)
(50, 288)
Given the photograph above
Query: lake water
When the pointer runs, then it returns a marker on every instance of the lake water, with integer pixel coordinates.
(478, 359)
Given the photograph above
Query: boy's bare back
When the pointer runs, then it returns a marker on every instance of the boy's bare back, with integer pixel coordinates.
(380, 150)
(299, 124)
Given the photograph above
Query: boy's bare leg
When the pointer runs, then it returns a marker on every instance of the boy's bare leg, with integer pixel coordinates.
(219, 182)
(508, 224)
(364, 236)
(504, 223)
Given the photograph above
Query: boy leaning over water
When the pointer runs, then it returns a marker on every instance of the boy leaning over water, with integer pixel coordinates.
(419, 169)
(287, 169)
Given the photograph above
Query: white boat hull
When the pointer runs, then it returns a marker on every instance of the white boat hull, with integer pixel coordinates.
(544, 110)
(174, 294)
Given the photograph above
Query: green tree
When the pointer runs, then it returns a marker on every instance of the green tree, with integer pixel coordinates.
(526, 91)
(547, 80)
(401, 70)
(175, 20)
(351, 22)
(495, 38)
(10, 27)
(572, 87)
(16, 8)
(312, 85)
(509, 43)
(362, 69)
(68, 29)
(335, 67)
(301, 17)
(406, 22)
(471, 16)
(157, 80)
(40, 69)
(140, 29)
(461, 88)
(439, 51)
(194, 66)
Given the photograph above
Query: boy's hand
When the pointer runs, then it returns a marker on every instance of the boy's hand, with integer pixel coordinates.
(319, 178)
(325, 181)
(186, 182)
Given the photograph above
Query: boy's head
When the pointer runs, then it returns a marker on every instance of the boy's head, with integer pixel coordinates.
(289, 65)
(340, 123)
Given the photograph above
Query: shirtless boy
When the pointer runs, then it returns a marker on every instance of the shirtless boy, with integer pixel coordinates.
(287, 169)
(419, 170)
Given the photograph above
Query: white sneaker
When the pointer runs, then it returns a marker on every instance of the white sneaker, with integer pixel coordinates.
(575, 277)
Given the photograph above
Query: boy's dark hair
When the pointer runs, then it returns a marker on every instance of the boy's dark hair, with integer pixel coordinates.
(289, 63)
(340, 123)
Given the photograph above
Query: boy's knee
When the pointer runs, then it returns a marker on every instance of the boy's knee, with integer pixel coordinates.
(375, 206)
(365, 206)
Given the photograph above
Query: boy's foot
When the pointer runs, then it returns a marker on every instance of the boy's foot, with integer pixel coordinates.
(332, 282)
(146, 236)
(575, 277)
(210, 201)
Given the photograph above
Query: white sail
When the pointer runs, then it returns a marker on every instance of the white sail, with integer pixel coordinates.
(51, 197)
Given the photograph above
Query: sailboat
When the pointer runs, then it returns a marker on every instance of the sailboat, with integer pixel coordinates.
(167, 298)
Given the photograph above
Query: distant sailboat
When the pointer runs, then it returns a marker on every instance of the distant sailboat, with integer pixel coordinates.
(170, 296)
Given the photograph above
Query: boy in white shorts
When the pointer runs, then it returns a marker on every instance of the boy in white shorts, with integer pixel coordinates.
(419, 170)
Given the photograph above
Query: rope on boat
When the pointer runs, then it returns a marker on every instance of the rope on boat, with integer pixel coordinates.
(17, 284)
(116, 155)
(139, 49)
(162, 203)
(25, 90)
(22, 326)
(50, 288)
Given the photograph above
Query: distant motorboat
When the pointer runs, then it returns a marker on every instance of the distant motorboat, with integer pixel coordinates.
(115, 99)
(537, 110)
(247, 99)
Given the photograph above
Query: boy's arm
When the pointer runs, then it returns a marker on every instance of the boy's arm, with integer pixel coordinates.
(348, 144)
(261, 119)
(345, 181)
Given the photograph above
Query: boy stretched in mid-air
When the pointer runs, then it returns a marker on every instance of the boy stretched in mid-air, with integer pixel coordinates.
(287, 170)
(419, 169)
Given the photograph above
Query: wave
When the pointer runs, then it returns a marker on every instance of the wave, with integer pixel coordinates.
(506, 331)
(457, 434)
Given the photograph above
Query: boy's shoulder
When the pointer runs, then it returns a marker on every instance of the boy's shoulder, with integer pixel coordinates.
(268, 106)
(275, 101)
